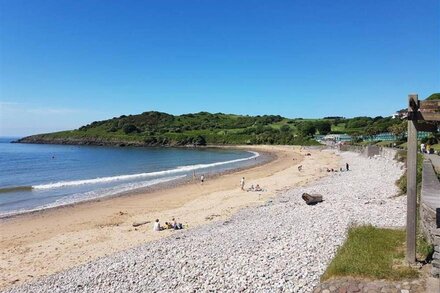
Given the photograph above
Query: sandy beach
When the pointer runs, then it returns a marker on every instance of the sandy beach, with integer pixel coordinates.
(51, 241)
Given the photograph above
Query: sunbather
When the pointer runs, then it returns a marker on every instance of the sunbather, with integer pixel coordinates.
(176, 226)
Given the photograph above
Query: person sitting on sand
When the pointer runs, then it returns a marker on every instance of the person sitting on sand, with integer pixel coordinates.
(176, 226)
(156, 225)
(300, 167)
(251, 188)
(168, 225)
(258, 188)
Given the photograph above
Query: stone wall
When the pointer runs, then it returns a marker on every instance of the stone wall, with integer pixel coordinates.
(430, 212)
(351, 148)
(370, 151)
(388, 153)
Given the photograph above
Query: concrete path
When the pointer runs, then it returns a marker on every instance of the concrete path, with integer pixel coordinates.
(430, 185)
(435, 159)
(352, 285)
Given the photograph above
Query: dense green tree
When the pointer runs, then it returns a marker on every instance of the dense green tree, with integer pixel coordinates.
(398, 129)
(323, 127)
(306, 129)
(130, 128)
(371, 130)
(285, 128)
(358, 122)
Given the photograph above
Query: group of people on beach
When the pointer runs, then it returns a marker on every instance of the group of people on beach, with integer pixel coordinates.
(427, 149)
(252, 188)
(168, 225)
(347, 168)
(256, 188)
(242, 184)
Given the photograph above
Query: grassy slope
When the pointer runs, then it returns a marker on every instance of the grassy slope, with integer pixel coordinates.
(156, 128)
(161, 129)
(435, 96)
(372, 253)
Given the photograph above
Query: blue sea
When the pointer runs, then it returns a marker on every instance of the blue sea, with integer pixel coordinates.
(37, 176)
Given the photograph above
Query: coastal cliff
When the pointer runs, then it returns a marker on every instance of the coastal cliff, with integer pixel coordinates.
(98, 141)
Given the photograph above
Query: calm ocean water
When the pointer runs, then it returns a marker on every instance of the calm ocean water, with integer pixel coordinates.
(34, 177)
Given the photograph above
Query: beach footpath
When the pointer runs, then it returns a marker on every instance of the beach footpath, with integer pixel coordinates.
(281, 245)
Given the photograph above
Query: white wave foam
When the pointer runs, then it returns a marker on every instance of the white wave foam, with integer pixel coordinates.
(81, 197)
(179, 169)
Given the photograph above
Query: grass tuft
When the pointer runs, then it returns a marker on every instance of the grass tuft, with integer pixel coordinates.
(371, 253)
(425, 250)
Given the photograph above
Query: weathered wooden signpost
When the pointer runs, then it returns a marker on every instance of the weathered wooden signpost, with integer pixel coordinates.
(417, 111)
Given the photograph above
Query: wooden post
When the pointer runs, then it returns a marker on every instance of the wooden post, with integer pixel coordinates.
(411, 180)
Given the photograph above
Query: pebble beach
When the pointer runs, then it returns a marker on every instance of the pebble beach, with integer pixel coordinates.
(283, 245)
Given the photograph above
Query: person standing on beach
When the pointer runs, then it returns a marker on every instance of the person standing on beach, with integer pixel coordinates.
(202, 179)
(347, 167)
(242, 183)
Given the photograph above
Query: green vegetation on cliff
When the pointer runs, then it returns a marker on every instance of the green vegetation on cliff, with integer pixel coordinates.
(156, 128)
(435, 96)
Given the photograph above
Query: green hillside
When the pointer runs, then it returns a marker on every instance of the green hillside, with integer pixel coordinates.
(435, 96)
(160, 129)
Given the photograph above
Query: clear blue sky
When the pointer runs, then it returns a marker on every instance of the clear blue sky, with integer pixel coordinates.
(67, 63)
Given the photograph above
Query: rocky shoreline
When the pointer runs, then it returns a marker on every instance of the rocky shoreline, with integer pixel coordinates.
(41, 139)
(283, 245)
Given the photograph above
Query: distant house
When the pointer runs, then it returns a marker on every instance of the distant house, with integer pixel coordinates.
(343, 137)
(318, 137)
(334, 137)
(401, 114)
(387, 136)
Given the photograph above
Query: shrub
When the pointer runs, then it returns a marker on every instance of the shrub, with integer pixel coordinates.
(285, 128)
(199, 140)
(323, 127)
(129, 128)
(306, 129)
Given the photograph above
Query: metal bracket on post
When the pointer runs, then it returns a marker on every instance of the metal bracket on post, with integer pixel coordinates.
(411, 224)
